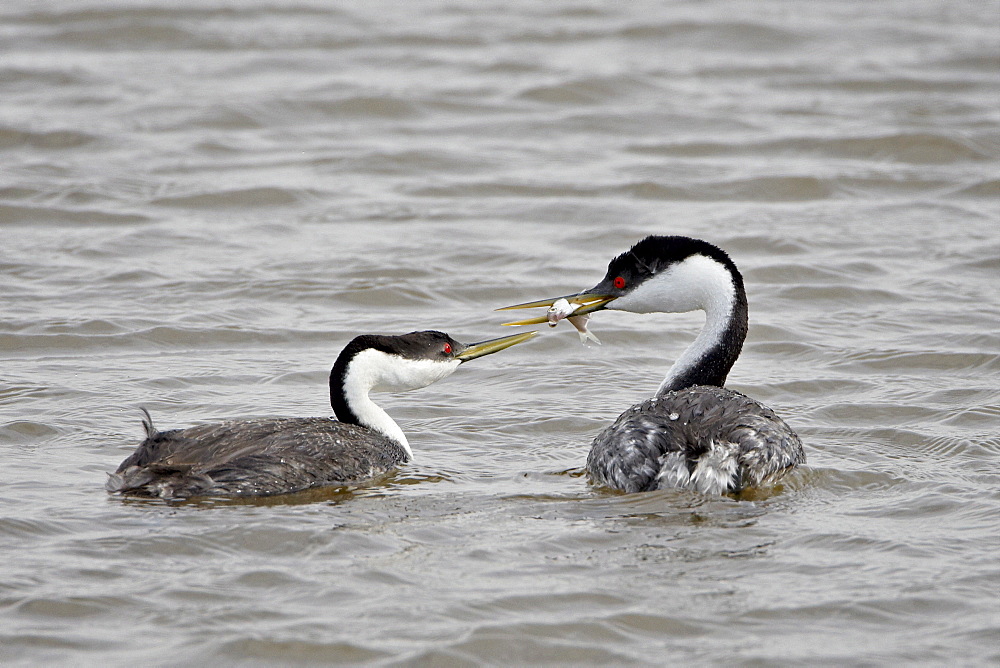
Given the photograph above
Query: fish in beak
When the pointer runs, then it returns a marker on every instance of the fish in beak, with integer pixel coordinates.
(574, 308)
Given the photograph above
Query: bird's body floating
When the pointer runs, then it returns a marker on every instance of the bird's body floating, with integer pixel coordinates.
(266, 456)
(694, 433)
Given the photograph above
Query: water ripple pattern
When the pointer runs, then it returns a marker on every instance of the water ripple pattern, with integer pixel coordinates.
(202, 202)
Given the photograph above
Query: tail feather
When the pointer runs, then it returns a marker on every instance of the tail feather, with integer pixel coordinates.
(147, 423)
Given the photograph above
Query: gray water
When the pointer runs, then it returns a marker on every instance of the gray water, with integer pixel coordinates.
(202, 202)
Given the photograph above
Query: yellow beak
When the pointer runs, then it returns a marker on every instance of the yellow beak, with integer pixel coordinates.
(587, 302)
(474, 350)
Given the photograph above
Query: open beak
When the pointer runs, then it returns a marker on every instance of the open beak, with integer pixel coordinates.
(588, 303)
(474, 350)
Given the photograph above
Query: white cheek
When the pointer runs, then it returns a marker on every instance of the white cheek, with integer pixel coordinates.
(664, 293)
(698, 282)
(391, 373)
(414, 374)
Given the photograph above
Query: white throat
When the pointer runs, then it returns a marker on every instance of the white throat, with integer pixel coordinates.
(376, 370)
(696, 283)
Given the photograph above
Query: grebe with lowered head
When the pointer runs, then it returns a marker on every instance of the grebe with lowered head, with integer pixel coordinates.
(693, 433)
(265, 456)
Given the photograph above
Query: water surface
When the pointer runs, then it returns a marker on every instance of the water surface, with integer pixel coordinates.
(200, 204)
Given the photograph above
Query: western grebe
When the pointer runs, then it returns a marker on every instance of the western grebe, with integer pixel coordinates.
(693, 433)
(257, 457)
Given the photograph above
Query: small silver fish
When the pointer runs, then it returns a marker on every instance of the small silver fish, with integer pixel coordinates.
(561, 309)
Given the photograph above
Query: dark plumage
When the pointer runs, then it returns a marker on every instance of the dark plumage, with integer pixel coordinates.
(265, 456)
(693, 434)
(693, 438)
(254, 458)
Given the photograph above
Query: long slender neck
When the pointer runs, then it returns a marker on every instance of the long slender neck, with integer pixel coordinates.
(711, 355)
(352, 378)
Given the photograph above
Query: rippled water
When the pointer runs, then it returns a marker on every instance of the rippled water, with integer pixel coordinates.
(201, 203)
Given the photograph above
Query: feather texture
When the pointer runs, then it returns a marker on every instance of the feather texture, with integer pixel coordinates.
(704, 438)
(254, 457)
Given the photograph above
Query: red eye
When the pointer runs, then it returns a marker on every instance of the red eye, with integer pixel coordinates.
(447, 348)
(619, 282)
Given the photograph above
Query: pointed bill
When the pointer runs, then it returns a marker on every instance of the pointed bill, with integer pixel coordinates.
(587, 302)
(474, 350)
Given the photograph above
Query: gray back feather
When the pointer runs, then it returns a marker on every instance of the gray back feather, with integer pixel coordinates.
(254, 457)
(660, 442)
